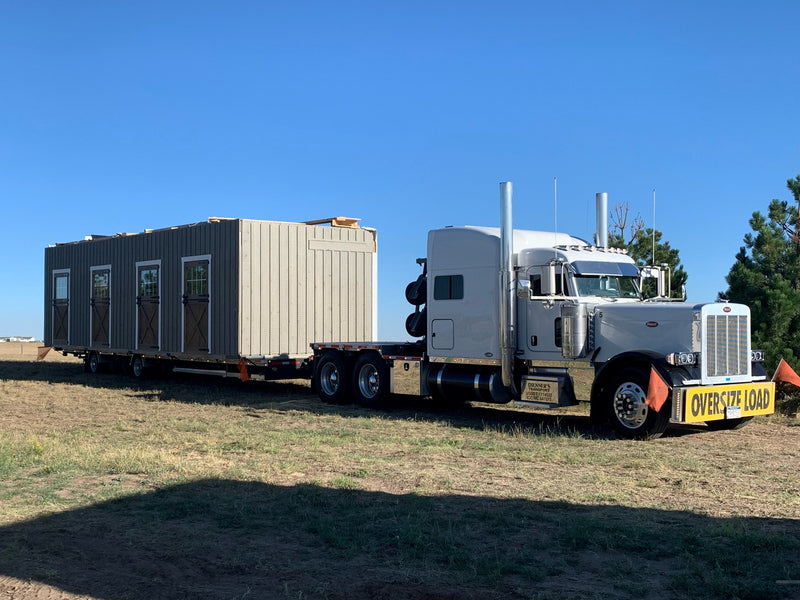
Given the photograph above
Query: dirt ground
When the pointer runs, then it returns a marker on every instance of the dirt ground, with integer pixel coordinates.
(474, 503)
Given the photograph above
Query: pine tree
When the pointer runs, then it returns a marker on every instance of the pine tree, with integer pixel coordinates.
(766, 277)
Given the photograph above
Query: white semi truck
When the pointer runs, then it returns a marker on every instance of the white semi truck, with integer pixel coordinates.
(503, 314)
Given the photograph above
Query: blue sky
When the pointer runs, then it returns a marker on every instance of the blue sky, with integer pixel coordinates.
(122, 116)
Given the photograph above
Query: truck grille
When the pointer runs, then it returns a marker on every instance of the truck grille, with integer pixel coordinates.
(727, 351)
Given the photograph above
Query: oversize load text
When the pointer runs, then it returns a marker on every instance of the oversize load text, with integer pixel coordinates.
(708, 403)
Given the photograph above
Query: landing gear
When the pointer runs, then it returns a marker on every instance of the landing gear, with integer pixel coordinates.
(93, 363)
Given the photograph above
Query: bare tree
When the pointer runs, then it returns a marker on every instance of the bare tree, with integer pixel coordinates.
(620, 216)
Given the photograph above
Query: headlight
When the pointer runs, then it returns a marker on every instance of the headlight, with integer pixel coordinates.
(681, 359)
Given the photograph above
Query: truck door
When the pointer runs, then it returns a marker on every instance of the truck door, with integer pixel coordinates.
(543, 318)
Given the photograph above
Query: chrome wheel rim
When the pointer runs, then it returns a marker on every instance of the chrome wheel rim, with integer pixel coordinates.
(329, 379)
(368, 381)
(630, 405)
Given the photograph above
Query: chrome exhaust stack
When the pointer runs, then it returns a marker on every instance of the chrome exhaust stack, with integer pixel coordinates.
(601, 219)
(508, 285)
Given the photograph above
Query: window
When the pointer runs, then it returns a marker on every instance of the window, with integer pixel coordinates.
(197, 279)
(62, 286)
(609, 286)
(100, 284)
(536, 284)
(448, 287)
(148, 282)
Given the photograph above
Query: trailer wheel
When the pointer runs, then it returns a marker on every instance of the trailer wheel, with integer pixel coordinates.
(93, 363)
(138, 369)
(371, 380)
(624, 396)
(332, 378)
(728, 424)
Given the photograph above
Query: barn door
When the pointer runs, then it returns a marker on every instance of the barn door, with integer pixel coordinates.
(60, 307)
(148, 306)
(100, 306)
(196, 302)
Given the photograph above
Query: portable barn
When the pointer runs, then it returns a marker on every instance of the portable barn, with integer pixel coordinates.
(216, 291)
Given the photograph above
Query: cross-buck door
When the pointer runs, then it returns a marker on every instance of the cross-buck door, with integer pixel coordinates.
(148, 306)
(60, 307)
(196, 316)
(100, 306)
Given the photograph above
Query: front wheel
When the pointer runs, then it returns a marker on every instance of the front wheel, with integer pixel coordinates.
(332, 378)
(625, 399)
(371, 381)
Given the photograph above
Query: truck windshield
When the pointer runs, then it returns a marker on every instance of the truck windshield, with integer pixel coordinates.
(608, 286)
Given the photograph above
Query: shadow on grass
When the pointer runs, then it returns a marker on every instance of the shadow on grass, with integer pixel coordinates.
(297, 395)
(228, 539)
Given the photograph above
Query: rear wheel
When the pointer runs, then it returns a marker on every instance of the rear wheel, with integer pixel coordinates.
(371, 381)
(332, 378)
(625, 398)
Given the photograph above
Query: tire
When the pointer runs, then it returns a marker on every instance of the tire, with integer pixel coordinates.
(728, 424)
(417, 323)
(93, 363)
(623, 396)
(417, 291)
(138, 370)
(333, 378)
(371, 381)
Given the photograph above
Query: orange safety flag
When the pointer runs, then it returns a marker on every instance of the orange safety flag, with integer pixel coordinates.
(786, 373)
(657, 390)
(243, 370)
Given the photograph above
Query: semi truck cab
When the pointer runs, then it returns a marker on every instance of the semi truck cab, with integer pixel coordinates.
(504, 314)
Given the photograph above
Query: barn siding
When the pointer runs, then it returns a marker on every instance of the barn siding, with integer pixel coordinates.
(303, 283)
(218, 239)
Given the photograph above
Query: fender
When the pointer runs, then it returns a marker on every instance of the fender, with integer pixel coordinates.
(644, 359)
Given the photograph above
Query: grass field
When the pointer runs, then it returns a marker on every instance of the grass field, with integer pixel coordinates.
(112, 488)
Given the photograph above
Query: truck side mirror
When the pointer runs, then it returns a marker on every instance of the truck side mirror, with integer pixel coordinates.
(549, 280)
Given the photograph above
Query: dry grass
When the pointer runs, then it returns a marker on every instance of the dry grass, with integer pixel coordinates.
(214, 489)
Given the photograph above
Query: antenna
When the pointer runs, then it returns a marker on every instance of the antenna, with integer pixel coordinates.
(654, 227)
(555, 212)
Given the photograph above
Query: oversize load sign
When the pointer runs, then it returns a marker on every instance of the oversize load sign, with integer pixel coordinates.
(711, 403)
